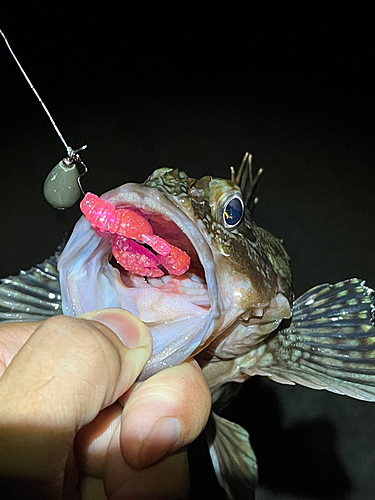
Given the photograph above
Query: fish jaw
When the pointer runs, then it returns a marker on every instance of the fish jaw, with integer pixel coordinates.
(170, 306)
(252, 312)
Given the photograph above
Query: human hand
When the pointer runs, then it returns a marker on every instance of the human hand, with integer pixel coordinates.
(74, 424)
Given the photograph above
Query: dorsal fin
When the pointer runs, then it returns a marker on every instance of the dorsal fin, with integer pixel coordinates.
(246, 181)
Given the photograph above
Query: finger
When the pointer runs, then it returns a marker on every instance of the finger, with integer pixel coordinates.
(179, 392)
(98, 449)
(63, 376)
(168, 479)
(67, 355)
(92, 441)
(12, 337)
(164, 413)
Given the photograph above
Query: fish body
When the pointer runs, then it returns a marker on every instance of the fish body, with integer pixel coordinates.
(233, 309)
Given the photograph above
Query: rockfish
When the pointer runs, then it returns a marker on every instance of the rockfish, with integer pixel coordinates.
(186, 256)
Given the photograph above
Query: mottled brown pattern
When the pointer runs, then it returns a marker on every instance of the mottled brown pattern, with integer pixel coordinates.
(252, 251)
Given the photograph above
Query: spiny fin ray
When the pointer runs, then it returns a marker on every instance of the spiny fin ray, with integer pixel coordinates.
(330, 343)
(33, 295)
(232, 457)
(246, 181)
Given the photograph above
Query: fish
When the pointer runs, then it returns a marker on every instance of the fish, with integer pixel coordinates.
(186, 256)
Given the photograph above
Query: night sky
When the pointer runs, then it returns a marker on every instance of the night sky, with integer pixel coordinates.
(147, 87)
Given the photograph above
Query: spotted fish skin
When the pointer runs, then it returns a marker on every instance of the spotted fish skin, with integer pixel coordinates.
(248, 259)
(251, 326)
(251, 250)
(329, 344)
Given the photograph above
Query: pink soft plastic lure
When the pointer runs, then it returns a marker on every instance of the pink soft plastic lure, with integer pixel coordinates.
(130, 231)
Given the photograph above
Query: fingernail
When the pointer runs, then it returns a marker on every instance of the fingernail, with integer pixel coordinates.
(128, 328)
(161, 440)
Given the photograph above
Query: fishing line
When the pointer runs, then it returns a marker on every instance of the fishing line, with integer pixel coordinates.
(62, 187)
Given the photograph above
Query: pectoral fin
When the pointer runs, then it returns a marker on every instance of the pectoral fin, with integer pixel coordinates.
(232, 457)
(330, 343)
(33, 295)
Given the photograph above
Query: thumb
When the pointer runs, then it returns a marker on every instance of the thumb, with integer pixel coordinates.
(68, 370)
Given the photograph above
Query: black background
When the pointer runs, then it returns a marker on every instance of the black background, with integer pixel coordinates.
(146, 86)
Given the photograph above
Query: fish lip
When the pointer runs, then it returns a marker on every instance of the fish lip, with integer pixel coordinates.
(156, 201)
(89, 281)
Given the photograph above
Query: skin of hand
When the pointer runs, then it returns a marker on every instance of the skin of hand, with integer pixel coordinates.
(76, 424)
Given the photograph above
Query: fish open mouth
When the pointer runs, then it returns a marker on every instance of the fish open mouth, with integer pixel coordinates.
(191, 283)
(179, 309)
(171, 295)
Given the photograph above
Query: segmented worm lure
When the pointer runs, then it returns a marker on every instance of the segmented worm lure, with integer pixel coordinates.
(130, 231)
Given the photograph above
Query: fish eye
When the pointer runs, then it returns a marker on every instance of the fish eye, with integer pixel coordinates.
(233, 211)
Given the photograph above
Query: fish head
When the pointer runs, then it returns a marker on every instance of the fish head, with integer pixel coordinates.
(237, 287)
